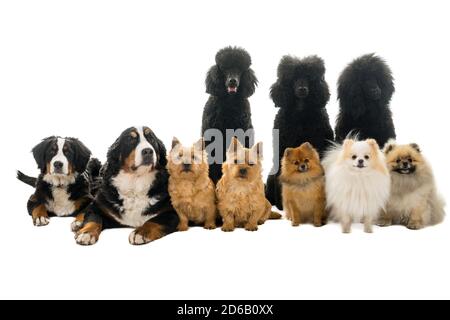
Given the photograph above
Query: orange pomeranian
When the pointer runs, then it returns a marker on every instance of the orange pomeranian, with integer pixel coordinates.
(303, 185)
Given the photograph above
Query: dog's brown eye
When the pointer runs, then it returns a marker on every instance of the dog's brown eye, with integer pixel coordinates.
(354, 157)
(251, 164)
(306, 161)
(366, 157)
(398, 161)
(409, 159)
(296, 162)
(236, 161)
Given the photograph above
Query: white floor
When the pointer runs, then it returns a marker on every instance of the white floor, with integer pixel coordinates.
(277, 262)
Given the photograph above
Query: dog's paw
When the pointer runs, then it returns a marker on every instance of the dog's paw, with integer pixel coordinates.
(414, 225)
(41, 221)
(209, 226)
(318, 224)
(251, 227)
(227, 228)
(76, 225)
(182, 227)
(138, 237)
(86, 238)
(295, 224)
(368, 229)
(384, 223)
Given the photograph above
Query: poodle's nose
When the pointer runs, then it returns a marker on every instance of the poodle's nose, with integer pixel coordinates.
(302, 91)
(232, 82)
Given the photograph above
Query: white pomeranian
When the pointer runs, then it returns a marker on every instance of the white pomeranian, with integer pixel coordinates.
(357, 183)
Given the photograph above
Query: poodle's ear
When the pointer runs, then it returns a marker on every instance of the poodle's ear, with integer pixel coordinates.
(215, 83)
(281, 95)
(248, 84)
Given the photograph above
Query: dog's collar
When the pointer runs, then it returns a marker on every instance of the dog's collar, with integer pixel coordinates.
(302, 184)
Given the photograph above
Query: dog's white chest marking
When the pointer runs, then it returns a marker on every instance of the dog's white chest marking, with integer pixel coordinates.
(133, 190)
(61, 205)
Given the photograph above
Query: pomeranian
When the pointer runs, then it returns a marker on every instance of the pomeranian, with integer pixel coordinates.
(190, 188)
(303, 185)
(414, 201)
(357, 183)
(240, 191)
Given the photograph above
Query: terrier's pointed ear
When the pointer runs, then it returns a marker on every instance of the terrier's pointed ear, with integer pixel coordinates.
(235, 145)
(288, 151)
(175, 142)
(389, 146)
(258, 150)
(200, 144)
(415, 146)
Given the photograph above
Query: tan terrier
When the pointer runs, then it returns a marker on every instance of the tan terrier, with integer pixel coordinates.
(303, 186)
(240, 191)
(190, 188)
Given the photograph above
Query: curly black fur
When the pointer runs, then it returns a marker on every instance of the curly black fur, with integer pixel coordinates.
(229, 82)
(301, 93)
(365, 89)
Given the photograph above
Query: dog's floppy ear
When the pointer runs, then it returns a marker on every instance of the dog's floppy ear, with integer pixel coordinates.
(200, 144)
(113, 159)
(389, 146)
(215, 82)
(175, 142)
(161, 152)
(40, 151)
(281, 95)
(81, 154)
(248, 84)
(415, 146)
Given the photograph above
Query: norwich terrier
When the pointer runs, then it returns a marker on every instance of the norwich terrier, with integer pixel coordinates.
(190, 188)
(303, 186)
(240, 191)
(414, 200)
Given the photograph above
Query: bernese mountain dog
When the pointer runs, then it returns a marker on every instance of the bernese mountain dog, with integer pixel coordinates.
(133, 191)
(63, 187)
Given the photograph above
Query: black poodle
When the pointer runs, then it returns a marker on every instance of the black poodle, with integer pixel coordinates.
(301, 93)
(229, 82)
(365, 88)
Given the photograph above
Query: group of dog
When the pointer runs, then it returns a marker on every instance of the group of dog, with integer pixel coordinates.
(343, 176)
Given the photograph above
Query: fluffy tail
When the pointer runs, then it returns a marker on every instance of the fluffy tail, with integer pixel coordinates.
(31, 181)
(274, 215)
(437, 210)
(94, 170)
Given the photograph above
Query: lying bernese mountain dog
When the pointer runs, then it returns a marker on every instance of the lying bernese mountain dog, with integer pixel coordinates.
(133, 192)
(64, 186)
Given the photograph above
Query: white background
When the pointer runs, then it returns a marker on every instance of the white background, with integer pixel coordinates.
(93, 68)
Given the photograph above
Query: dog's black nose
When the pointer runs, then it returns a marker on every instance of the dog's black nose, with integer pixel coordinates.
(360, 161)
(186, 166)
(58, 165)
(232, 82)
(147, 152)
(303, 167)
(302, 91)
(242, 171)
(405, 164)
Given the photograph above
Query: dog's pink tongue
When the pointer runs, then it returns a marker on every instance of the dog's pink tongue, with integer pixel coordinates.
(231, 89)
